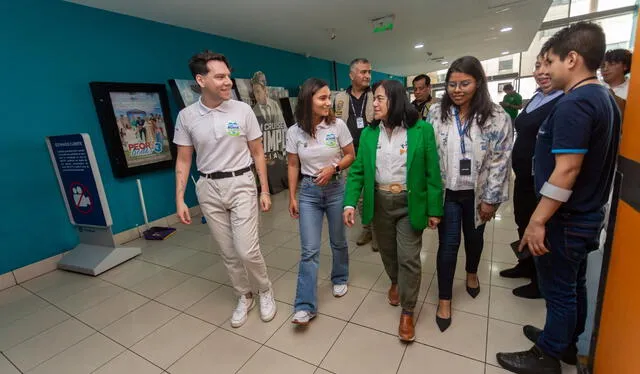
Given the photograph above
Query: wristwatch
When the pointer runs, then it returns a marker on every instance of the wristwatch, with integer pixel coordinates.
(336, 168)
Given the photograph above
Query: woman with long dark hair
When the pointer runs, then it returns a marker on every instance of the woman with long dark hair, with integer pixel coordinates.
(398, 175)
(474, 138)
(320, 146)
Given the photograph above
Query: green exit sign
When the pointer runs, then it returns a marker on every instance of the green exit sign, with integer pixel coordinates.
(381, 28)
(383, 24)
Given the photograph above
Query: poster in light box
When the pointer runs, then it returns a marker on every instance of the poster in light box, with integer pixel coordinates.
(136, 126)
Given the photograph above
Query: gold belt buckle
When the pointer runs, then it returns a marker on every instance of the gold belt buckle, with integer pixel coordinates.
(395, 188)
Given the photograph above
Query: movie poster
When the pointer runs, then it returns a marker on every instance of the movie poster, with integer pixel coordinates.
(265, 101)
(141, 125)
(187, 92)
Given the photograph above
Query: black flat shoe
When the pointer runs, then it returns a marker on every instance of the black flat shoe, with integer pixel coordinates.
(569, 357)
(474, 292)
(529, 291)
(533, 361)
(443, 323)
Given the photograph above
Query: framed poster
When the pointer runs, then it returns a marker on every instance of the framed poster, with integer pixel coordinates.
(136, 126)
(187, 91)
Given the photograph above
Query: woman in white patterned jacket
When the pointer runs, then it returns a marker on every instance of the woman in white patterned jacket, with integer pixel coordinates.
(474, 137)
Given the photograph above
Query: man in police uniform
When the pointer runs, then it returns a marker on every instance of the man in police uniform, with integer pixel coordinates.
(355, 107)
(226, 137)
(422, 92)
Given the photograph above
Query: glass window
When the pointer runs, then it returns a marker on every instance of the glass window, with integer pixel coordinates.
(529, 56)
(505, 65)
(618, 30)
(582, 7)
(559, 9)
(501, 65)
(438, 76)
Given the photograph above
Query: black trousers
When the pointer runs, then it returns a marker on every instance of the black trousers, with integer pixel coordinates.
(524, 204)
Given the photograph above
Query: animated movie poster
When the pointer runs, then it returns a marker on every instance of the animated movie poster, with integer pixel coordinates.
(141, 126)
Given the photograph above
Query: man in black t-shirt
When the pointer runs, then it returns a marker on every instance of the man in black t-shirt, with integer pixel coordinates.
(574, 165)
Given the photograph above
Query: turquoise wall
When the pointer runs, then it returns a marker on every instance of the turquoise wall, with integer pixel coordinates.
(49, 52)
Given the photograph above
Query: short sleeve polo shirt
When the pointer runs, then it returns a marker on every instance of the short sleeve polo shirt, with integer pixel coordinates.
(323, 150)
(219, 135)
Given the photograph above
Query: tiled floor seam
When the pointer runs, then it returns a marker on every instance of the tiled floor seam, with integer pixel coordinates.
(98, 331)
(11, 362)
(347, 324)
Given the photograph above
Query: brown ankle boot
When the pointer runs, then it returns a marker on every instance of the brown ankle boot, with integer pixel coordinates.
(394, 296)
(406, 330)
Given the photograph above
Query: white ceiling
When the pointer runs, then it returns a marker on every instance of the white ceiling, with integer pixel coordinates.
(448, 29)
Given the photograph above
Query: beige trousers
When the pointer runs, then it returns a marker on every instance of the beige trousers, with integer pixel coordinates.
(230, 206)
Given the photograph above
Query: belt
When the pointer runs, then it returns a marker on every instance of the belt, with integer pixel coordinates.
(225, 174)
(393, 188)
(334, 176)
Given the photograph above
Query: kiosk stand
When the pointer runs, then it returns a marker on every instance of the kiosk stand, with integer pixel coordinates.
(79, 178)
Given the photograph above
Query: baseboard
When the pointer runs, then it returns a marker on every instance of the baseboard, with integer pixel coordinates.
(50, 264)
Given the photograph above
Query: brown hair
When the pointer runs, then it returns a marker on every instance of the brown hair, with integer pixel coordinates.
(304, 107)
(198, 62)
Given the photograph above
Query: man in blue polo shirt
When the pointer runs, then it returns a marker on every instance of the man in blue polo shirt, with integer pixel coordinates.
(574, 164)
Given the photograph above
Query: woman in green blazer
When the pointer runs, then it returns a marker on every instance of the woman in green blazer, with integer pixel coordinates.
(397, 171)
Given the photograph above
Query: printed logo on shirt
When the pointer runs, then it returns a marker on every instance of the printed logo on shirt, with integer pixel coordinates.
(403, 148)
(330, 140)
(233, 129)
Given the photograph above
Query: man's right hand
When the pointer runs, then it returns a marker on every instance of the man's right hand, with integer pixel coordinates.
(183, 213)
(349, 217)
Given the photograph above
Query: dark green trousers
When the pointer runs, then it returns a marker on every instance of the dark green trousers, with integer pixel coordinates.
(399, 245)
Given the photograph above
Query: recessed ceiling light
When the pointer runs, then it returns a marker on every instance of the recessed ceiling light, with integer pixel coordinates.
(505, 53)
(503, 10)
(506, 29)
(445, 62)
(418, 46)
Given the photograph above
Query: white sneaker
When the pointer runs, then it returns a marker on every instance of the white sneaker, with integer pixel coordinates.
(302, 318)
(239, 316)
(340, 290)
(267, 306)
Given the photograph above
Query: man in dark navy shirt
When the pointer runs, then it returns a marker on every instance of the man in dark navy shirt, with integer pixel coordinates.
(574, 164)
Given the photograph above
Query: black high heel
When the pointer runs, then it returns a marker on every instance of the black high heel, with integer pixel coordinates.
(473, 292)
(443, 323)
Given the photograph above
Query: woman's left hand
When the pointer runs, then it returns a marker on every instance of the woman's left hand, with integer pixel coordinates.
(324, 176)
(434, 222)
(487, 211)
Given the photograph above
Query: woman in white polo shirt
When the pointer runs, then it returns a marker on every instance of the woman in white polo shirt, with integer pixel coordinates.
(319, 146)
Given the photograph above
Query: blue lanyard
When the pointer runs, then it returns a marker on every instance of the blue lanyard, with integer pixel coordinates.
(461, 131)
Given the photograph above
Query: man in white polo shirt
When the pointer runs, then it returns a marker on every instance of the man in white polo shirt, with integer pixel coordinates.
(226, 137)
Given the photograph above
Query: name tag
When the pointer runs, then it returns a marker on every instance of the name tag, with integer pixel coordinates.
(465, 167)
(360, 122)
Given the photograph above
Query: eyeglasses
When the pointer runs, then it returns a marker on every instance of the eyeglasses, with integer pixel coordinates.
(462, 85)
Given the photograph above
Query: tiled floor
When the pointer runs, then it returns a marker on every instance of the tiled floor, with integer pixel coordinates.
(168, 312)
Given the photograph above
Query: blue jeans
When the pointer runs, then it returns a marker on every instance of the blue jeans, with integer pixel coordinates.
(562, 277)
(313, 203)
(459, 210)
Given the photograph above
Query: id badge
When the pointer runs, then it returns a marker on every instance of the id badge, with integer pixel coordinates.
(465, 167)
(360, 122)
